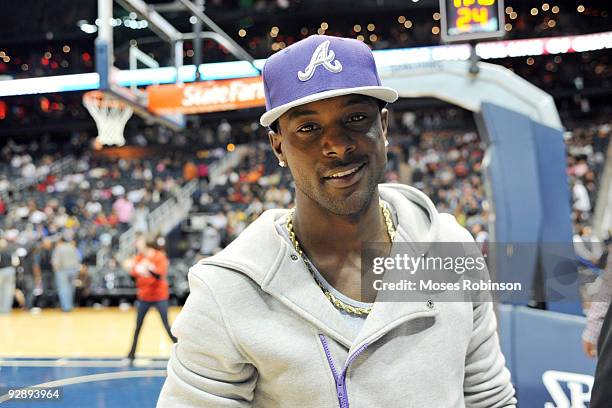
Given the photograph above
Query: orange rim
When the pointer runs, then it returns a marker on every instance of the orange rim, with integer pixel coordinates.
(99, 98)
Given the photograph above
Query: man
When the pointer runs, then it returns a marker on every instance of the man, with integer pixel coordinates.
(277, 319)
(150, 270)
(597, 339)
(7, 277)
(588, 248)
(43, 272)
(602, 394)
(599, 305)
(66, 261)
(124, 210)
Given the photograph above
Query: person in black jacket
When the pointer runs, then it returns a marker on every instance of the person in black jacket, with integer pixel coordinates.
(601, 397)
(45, 291)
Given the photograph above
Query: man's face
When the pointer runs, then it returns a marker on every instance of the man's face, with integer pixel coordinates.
(335, 150)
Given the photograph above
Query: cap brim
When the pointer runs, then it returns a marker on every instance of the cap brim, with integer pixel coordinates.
(379, 92)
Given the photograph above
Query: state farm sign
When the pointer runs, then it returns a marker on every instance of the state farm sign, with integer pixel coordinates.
(208, 96)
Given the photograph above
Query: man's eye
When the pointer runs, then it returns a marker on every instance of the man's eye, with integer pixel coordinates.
(306, 128)
(357, 118)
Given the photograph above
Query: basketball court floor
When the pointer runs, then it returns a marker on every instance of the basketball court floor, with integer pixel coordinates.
(82, 353)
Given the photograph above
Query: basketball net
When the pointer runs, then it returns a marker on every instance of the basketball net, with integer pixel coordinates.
(110, 115)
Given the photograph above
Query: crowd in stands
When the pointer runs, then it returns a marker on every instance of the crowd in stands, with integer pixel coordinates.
(446, 165)
(565, 74)
(94, 199)
(89, 202)
(238, 197)
(586, 149)
(433, 151)
(409, 27)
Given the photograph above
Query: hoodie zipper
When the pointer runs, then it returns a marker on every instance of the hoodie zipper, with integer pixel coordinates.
(340, 378)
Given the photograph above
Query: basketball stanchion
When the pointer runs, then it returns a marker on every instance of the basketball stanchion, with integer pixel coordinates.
(110, 114)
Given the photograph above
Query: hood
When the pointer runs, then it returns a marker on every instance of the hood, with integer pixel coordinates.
(259, 250)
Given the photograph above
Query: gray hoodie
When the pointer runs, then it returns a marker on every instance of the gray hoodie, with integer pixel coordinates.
(256, 331)
(65, 256)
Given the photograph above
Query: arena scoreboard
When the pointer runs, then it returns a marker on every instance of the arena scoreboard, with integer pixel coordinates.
(465, 20)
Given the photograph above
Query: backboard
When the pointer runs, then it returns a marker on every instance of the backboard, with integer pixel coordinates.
(126, 89)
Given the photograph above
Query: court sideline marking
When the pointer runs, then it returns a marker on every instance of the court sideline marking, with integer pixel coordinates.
(93, 378)
(63, 362)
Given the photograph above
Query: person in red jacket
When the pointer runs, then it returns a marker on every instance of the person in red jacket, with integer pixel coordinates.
(149, 268)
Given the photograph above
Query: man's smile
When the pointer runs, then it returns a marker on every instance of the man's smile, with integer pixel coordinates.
(345, 176)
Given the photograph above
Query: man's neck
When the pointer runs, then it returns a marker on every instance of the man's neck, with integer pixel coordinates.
(322, 233)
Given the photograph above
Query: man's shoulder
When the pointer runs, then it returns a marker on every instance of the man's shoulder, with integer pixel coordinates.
(419, 212)
(221, 279)
(254, 252)
(451, 231)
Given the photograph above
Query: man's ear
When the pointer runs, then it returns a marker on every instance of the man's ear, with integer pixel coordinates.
(276, 143)
(384, 120)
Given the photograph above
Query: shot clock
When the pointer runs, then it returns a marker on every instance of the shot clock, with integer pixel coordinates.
(464, 20)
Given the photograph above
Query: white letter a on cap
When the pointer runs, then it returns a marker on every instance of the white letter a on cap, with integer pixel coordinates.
(321, 56)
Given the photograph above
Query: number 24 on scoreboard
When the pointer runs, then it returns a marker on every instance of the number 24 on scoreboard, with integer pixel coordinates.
(468, 3)
(467, 15)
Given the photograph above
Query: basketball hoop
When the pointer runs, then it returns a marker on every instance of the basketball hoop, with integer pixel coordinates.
(110, 114)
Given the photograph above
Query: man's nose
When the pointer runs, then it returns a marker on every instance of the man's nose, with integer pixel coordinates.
(338, 144)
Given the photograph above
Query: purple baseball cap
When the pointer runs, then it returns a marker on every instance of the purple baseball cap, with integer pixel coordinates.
(319, 67)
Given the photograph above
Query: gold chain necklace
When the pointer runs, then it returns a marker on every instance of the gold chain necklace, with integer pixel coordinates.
(339, 304)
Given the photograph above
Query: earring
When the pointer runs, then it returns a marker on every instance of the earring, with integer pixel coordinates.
(282, 163)
(386, 143)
